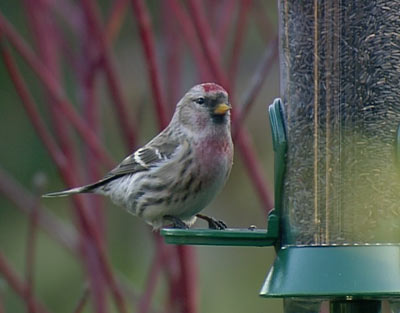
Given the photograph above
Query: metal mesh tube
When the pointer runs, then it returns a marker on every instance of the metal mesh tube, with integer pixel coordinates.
(340, 84)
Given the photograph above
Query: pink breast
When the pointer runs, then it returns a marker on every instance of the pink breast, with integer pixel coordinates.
(215, 157)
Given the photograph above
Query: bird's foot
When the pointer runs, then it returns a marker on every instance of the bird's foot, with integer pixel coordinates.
(212, 222)
(176, 222)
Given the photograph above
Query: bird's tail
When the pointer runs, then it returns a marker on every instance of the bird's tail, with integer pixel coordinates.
(68, 192)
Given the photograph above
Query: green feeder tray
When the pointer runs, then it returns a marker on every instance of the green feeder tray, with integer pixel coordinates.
(226, 237)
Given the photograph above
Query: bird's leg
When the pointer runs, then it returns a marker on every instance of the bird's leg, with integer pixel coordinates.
(212, 222)
(176, 222)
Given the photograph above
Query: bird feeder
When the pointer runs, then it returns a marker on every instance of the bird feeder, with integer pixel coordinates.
(336, 222)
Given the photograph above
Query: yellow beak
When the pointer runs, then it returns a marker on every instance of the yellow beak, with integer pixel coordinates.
(222, 108)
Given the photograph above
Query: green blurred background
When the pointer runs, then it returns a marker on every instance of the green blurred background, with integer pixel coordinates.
(228, 278)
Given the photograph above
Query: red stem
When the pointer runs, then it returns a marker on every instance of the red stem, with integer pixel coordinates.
(96, 30)
(87, 76)
(9, 188)
(30, 107)
(105, 266)
(96, 277)
(227, 9)
(25, 201)
(238, 41)
(33, 114)
(151, 282)
(66, 173)
(186, 255)
(55, 90)
(147, 39)
(92, 240)
(30, 253)
(171, 268)
(254, 169)
(190, 35)
(46, 40)
(68, 11)
(1, 303)
(18, 286)
(174, 55)
(82, 301)
(61, 232)
(209, 45)
(48, 51)
(256, 82)
(264, 26)
(115, 19)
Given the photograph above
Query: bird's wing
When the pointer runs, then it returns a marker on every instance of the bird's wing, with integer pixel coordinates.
(151, 155)
(160, 151)
(145, 158)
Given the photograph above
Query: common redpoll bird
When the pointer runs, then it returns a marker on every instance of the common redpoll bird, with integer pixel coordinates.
(180, 171)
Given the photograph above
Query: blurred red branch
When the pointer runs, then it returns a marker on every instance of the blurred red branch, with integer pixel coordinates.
(188, 277)
(70, 181)
(82, 300)
(207, 41)
(174, 57)
(256, 82)
(30, 253)
(147, 39)
(68, 11)
(30, 107)
(96, 276)
(190, 35)
(35, 117)
(47, 43)
(151, 282)
(55, 91)
(96, 30)
(225, 17)
(170, 264)
(18, 286)
(89, 232)
(241, 24)
(58, 230)
(87, 90)
(254, 169)
(264, 26)
(1, 303)
(115, 19)
(25, 201)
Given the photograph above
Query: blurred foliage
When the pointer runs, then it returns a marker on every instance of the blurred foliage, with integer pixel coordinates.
(229, 278)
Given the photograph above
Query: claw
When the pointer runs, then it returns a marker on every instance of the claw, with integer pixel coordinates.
(212, 222)
(215, 224)
(176, 222)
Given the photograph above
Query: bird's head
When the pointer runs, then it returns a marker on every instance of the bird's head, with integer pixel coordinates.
(204, 106)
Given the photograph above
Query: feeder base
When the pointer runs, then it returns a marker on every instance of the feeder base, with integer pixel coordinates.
(335, 272)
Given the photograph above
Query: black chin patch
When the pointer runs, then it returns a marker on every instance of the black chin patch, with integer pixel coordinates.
(219, 118)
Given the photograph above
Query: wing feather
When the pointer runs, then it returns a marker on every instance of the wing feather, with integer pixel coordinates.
(160, 150)
(144, 158)
(157, 151)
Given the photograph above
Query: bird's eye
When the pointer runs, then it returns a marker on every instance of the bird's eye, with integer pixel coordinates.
(200, 100)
